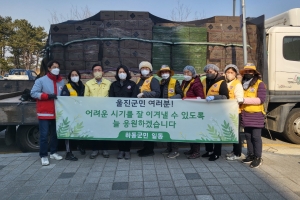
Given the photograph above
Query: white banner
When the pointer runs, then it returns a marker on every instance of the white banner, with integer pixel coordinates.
(162, 120)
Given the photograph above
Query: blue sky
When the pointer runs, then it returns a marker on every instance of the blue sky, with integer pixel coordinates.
(38, 12)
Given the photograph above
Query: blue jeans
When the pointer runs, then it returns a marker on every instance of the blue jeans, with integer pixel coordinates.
(47, 126)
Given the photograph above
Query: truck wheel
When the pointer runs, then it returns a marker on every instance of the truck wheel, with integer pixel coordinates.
(292, 126)
(28, 138)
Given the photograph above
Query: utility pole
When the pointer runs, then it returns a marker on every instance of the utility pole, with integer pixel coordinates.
(233, 8)
(244, 31)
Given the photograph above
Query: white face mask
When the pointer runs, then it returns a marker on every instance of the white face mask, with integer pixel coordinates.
(187, 78)
(165, 76)
(75, 79)
(55, 71)
(145, 72)
(230, 77)
(122, 76)
(98, 75)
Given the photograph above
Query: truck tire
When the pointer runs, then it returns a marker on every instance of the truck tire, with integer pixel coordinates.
(292, 126)
(28, 137)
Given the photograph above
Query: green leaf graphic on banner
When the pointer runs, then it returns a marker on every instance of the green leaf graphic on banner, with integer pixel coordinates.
(58, 115)
(235, 120)
(144, 136)
(63, 128)
(213, 132)
(228, 132)
(77, 129)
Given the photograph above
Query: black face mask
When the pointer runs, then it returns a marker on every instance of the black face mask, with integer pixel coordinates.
(210, 76)
(248, 76)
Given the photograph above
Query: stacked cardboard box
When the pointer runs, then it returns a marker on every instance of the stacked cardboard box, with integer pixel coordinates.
(226, 30)
(178, 56)
(129, 52)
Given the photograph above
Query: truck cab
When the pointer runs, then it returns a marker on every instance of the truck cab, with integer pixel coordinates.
(283, 74)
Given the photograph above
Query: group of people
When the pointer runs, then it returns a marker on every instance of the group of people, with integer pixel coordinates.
(248, 90)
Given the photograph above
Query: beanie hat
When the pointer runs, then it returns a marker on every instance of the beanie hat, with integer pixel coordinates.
(211, 66)
(191, 69)
(145, 64)
(232, 66)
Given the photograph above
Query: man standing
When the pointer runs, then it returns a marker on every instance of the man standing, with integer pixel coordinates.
(45, 90)
(98, 87)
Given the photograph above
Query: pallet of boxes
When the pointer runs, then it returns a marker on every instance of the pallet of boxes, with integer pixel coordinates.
(114, 28)
(227, 30)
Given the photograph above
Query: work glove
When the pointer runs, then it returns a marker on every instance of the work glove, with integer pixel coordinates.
(140, 95)
(52, 96)
(210, 98)
(240, 100)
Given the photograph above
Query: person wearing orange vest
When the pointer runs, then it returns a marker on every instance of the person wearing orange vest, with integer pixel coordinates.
(170, 89)
(236, 92)
(148, 88)
(74, 87)
(253, 113)
(215, 88)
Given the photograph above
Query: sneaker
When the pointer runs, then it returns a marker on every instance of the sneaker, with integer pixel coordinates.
(248, 159)
(256, 162)
(81, 150)
(44, 161)
(70, 156)
(207, 154)
(213, 157)
(105, 154)
(166, 151)
(194, 155)
(120, 155)
(233, 157)
(230, 154)
(56, 156)
(173, 154)
(189, 152)
(127, 155)
(94, 154)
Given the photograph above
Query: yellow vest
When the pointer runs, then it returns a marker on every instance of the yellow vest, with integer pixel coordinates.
(252, 92)
(184, 90)
(71, 90)
(171, 87)
(146, 85)
(213, 90)
(93, 89)
(231, 88)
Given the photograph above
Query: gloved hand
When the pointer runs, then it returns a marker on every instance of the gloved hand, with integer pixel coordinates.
(52, 96)
(140, 95)
(240, 100)
(210, 98)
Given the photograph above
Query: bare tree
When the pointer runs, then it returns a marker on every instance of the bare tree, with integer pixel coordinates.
(74, 14)
(201, 15)
(181, 12)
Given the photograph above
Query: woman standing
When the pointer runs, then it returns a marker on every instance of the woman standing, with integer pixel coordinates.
(253, 113)
(236, 91)
(74, 87)
(123, 87)
(192, 88)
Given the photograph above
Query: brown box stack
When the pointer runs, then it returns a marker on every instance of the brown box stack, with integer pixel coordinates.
(226, 30)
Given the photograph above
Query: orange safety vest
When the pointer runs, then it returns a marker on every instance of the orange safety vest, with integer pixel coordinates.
(171, 87)
(252, 92)
(213, 90)
(146, 85)
(71, 90)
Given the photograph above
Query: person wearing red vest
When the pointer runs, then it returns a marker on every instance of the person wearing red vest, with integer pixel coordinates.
(148, 87)
(192, 88)
(74, 87)
(253, 113)
(236, 92)
(45, 90)
(215, 88)
(169, 89)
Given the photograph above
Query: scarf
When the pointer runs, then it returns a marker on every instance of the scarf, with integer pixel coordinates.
(246, 84)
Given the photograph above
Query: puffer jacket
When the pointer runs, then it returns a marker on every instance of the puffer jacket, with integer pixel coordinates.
(195, 90)
(48, 84)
